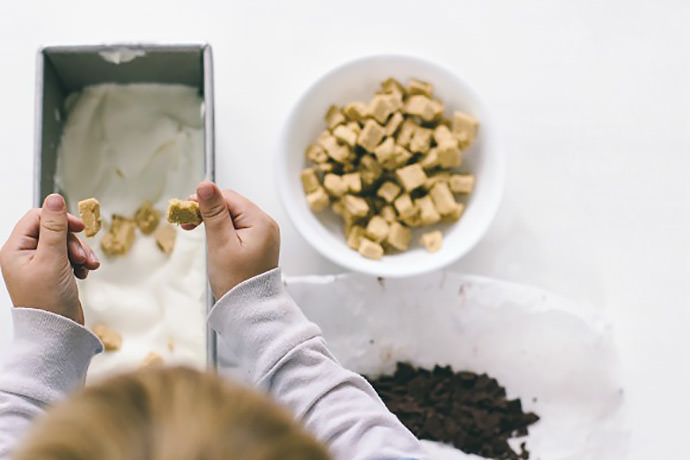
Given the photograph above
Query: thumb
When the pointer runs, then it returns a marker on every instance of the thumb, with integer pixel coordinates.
(52, 236)
(214, 212)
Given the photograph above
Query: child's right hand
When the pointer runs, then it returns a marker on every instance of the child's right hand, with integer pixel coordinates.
(242, 240)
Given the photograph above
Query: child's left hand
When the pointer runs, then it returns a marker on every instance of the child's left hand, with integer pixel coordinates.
(41, 258)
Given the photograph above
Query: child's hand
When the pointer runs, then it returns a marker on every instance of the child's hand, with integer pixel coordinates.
(242, 240)
(41, 255)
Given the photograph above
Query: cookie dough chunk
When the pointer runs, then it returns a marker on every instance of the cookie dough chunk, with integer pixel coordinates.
(370, 249)
(443, 198)
(147, 218)
(411, 176)
(371, 135)
(165, 238)
(184, 212)
(318, 199)
(112, 341)
(120, 236)
(90, 212)
(310, 182)
(153, 359)
(465, 128)
(461, 183)
(399, 236)
(432, 241)
(377, 229)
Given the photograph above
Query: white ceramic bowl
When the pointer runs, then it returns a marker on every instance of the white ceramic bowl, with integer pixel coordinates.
(357, 81)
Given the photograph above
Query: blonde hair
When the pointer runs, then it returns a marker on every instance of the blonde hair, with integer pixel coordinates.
(168, 414)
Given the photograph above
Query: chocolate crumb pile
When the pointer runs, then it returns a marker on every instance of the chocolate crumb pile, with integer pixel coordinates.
(468, 410)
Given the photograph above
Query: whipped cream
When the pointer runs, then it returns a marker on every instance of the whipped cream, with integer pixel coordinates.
(124, 144)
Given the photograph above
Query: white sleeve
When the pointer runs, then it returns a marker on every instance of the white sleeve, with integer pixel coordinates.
(283, 353)
(48, 359)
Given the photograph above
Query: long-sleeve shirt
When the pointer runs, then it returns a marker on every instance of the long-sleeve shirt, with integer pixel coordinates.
(259, 324)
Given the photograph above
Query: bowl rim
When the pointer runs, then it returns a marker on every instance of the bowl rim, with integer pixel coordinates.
(443, 259)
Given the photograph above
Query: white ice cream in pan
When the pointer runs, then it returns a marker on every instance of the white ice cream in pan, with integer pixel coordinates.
(124, 144)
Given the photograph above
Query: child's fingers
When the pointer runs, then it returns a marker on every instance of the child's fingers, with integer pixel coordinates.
(53, 228)
(80, 254)
(74, 223)
(25, 233)
(75, 251)
(188, 226)
(214, 212)
(81, 272)
(244, 213)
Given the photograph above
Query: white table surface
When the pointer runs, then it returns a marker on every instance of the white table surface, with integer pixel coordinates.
(593, 101)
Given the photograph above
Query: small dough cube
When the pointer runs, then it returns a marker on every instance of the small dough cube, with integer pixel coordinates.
(310, 181)
(353, 182)
(338, 207)
(371, 170)
(461, 183)
(153, 359)
(399, 236)
(183, 212)
(443, 198)
(442, 133)
(388, 213)
(402, 156)
(435, 179)
(338, 152)
(428, 214)
(354, 237)
(388, 191)
(407, 130)
(377, 229)
(356, 111)
(414, 220)
(449, 154)
(326, 167)
(395, 101)
(371, 135)
(354, 126)
(411, 176)
(356, 206)
(90, 213)
(119, 238)
(165, 238)
(147, 218)
(432, 241)
(421, 141)
(403, 204)
(334, 116)
(380, 108)
(316, 154)
(370, 249)
(430, 160)
(345, 134)
(455, 214)
(385, 152)
(416, 86)
(112, 341)
(464, 128)
(394, 123)
(423, 107)
(318, 200)
(392, 86)
(334, 185)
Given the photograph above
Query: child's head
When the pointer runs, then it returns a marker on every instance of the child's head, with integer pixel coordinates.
(168, 414)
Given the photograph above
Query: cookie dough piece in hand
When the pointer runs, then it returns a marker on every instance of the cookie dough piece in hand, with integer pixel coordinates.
(184, 212)
(90, 213)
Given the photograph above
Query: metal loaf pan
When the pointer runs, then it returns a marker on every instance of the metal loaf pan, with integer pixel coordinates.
(62, 70)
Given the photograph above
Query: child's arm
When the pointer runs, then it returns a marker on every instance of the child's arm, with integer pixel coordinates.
(279, 349)
(51, 351)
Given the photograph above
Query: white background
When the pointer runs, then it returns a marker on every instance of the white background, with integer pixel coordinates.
(592, 97)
